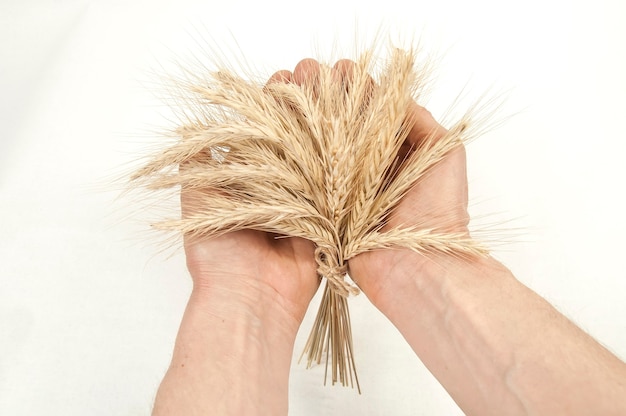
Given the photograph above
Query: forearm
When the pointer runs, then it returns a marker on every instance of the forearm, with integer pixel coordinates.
(496, 346)
(232, 356)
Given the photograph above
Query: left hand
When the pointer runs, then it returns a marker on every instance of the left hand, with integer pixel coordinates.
(252, 264)
(256, 266)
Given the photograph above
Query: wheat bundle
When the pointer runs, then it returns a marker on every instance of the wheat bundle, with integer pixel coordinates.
(315, 161)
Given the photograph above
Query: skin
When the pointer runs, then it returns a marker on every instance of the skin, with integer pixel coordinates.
(495, 345)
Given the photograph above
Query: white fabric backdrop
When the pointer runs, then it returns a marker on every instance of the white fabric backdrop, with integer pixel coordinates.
(88, 307)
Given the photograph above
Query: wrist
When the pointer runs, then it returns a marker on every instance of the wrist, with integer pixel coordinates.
(244, 301)
(228, 350)
(387, 276)
(381, 273)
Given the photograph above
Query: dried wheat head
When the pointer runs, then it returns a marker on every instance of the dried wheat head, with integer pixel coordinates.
(317, 161)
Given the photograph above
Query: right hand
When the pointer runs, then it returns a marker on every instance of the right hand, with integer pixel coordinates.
(438, 201)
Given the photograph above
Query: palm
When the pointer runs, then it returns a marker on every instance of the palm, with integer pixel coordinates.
(252, 259)
(438, 202)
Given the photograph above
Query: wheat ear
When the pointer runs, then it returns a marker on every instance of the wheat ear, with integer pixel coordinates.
(316, 162)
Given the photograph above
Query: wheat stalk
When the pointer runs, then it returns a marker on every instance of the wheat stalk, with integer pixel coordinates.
(313, 162)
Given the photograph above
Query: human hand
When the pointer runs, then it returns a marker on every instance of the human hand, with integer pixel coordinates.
(438, 201)
(249, 297)
(233, 352)
(254, 263)
(253, 266)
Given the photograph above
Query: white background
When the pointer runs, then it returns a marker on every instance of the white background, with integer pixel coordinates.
(89, 307)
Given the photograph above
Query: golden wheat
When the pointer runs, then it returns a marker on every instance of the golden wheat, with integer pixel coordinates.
(318, 162)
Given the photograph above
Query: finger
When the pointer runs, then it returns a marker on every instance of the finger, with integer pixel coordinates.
(424, 126)
(343, 71)
(302, 249)
(283, 76)
(300, 246)
(306, 72)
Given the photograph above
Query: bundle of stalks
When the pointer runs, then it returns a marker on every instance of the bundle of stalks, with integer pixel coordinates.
(318, 161)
